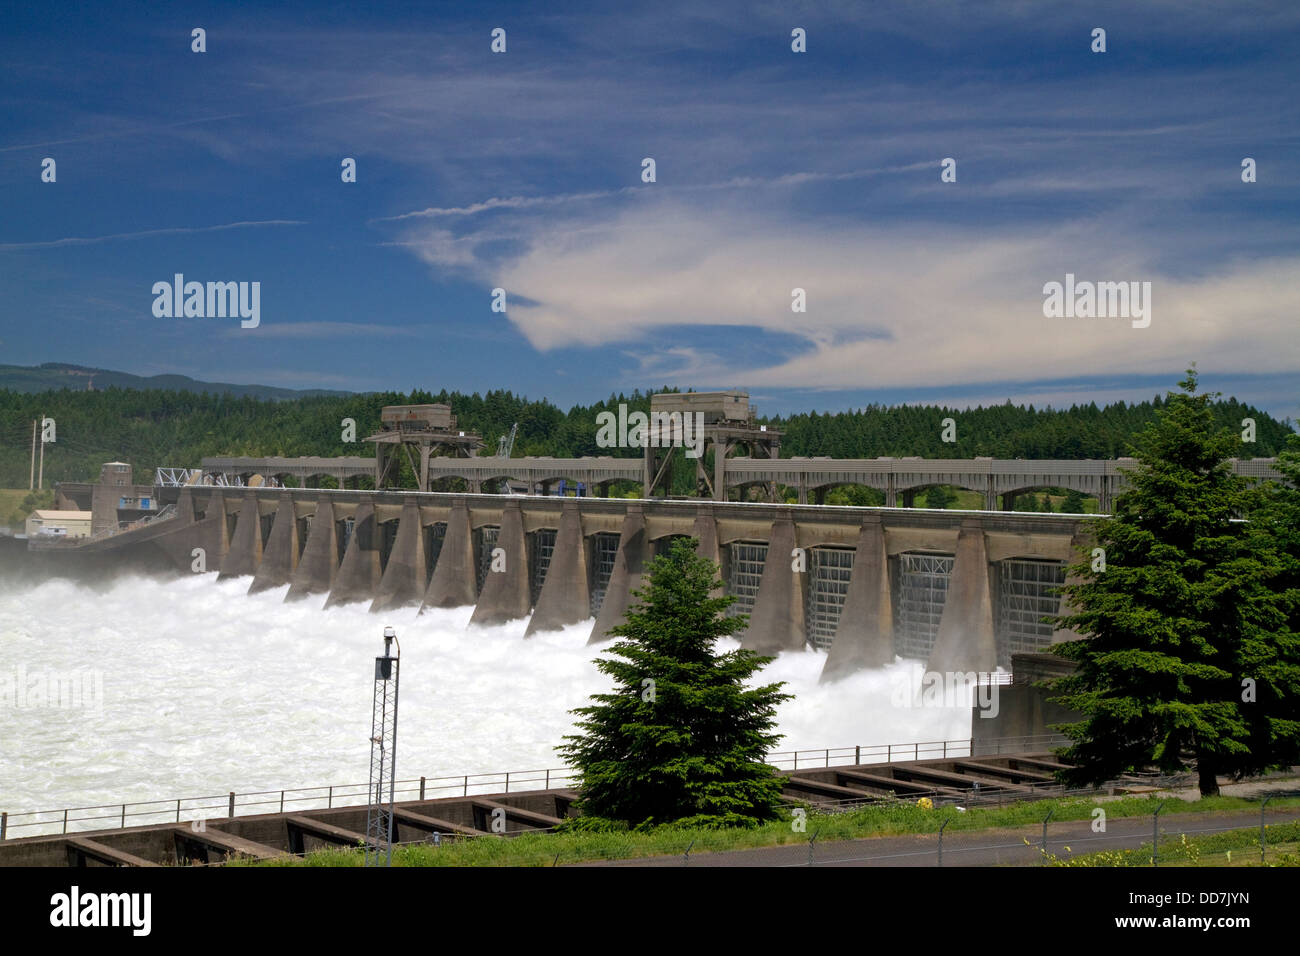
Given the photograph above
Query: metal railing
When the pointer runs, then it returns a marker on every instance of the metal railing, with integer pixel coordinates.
(232, 804)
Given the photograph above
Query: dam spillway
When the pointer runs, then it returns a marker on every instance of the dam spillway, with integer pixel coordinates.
(963, 590)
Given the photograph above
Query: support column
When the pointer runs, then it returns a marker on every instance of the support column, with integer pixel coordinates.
(1081, 545)
(182, 535)
(506, 595)
(990, 497)
(566, 592)
(358, 575)
(1009, 501)
(404, 577)
(246, 549)
(281, 556)
(629, 564)
(706, 531)
(720, 449)
(184, 507)
(213, 535)
(965, 642)
(454, 582)
(909, 498)
(777, 621)
(864, 638)
(318, 567)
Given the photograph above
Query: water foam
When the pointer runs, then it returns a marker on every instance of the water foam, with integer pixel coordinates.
(207, 689)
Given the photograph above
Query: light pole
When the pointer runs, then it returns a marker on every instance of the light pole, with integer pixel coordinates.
(383, 754)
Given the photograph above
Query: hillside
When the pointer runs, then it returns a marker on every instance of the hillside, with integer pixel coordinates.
(53, 376)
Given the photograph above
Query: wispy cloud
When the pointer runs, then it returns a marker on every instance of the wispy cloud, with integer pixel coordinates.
(736, 182)
(320, 330)
(144, 234)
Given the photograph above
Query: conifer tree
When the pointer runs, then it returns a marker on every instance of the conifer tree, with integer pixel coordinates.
(680, 738)
(1275, 666)
(1182, 616)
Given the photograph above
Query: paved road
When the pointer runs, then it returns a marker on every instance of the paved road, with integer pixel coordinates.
(977, 848)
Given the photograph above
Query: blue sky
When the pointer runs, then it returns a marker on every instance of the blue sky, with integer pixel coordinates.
(775, 170)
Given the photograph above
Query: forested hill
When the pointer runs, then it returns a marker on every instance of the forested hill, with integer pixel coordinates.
(155, 427)
(52, 376)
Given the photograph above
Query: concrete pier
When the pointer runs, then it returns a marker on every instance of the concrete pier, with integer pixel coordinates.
(246, 548)
(865, 637)
(454, 583)
(1081, 544)
(629, 565)
(281, 557)
(505, 595)
(358, 576)
(565, 597)
(706, 532)
(966, 641)
(777, 622)
(318, 567)
(209, 533)
(406, 574)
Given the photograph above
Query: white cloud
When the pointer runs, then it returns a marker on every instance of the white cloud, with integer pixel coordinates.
(887, 307)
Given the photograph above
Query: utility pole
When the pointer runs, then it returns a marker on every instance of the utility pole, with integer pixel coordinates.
(31, 480)
(40, 481)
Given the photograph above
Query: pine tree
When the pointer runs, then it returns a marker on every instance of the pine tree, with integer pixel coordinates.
(1180, 616)
(1073, 503)
(939, 497)
(680, 738)
(1275, 665)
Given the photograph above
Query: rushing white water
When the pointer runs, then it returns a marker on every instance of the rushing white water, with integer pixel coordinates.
(206, 689)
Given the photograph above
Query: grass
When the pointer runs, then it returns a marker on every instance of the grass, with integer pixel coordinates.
(895, 819)
(1231, 848)
(11, 500)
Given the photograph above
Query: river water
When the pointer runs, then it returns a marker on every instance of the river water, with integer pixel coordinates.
(189, 686)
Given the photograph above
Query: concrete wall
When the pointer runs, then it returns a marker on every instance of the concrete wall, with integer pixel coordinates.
(864, 638)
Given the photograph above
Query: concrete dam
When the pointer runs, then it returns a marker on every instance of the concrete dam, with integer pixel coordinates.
(961, 590)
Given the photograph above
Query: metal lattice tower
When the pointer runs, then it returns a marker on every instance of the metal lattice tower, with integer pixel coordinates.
(383, 756)
(506, 443)
(505, 448)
